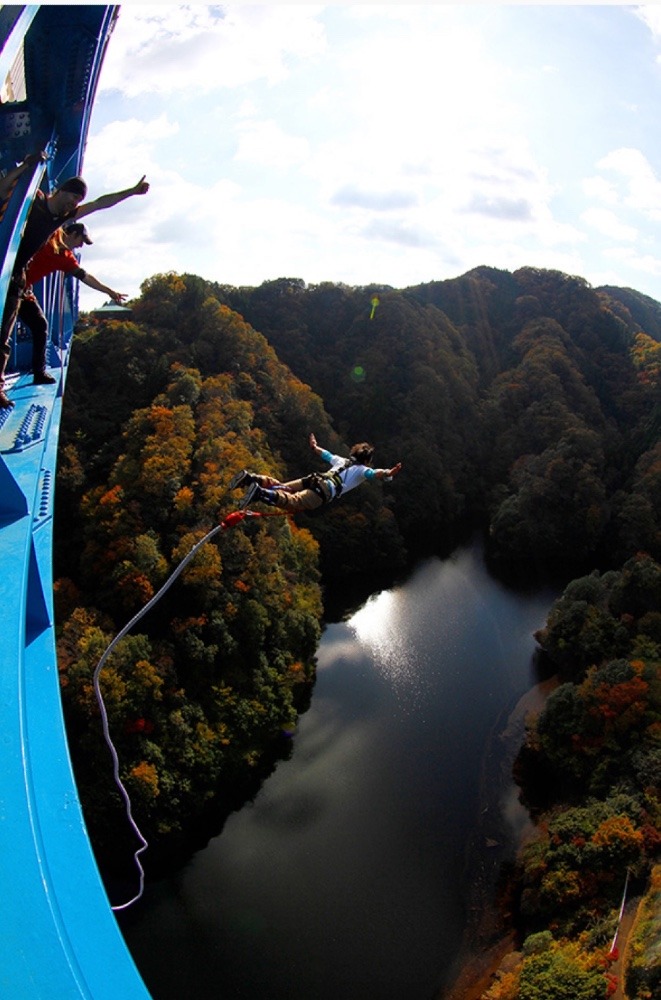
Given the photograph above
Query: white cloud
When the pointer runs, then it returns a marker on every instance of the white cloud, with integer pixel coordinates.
(125, 148)
(600, 189)
(608, 224)
(261, 142)
(650, 14)
(644, 263)
(195, 48)
(641, 189)
(373, 199)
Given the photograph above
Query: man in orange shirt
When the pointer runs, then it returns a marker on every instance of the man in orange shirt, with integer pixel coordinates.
(48, 213)
(55, 255)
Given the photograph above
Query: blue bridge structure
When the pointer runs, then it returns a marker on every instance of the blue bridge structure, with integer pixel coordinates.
(59, 938)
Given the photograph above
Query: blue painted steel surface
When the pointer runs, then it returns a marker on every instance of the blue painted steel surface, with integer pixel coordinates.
(58, 936)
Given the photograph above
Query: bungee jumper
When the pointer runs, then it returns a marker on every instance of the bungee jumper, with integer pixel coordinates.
(317, 488)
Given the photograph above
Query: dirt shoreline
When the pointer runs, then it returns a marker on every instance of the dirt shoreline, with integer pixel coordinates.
(478, 973)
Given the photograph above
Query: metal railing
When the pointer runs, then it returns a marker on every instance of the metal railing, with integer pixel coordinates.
(58, 935)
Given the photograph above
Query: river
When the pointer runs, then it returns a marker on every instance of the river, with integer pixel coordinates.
(348, 876)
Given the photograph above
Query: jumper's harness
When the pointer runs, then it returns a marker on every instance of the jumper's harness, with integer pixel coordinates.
(316, 481)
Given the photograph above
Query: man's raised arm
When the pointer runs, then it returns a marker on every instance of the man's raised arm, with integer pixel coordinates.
(108, 200)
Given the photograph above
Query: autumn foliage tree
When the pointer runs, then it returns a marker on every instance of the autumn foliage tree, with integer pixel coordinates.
(199, 694)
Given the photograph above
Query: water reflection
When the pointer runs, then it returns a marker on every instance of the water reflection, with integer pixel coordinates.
(450, 620)
(346, 875)
(378, 627)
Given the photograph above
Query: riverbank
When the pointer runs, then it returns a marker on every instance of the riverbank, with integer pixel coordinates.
(503, 828)
(480, 971)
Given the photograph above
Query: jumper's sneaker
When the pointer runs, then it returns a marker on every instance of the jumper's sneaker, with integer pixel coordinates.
(240, 479)
(5, 402)
(253, 494)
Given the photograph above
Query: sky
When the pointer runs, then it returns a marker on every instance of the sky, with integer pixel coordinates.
(388, 144)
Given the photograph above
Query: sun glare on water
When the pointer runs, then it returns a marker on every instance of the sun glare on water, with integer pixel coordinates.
(380, 627)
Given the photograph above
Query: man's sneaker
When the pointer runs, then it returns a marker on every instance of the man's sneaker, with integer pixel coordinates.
(240, 479)
(5, 402)
(43, 378)
(252, 494)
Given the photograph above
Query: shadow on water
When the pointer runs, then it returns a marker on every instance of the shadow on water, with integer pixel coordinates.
(175, 852)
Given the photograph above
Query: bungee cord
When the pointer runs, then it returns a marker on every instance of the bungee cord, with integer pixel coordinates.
(232, 519)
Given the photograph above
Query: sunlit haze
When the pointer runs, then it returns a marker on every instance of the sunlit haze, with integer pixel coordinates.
(391, 144)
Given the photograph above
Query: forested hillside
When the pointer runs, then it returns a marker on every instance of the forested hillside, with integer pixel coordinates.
(527, 402)
(523, 405)
(590, 771)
